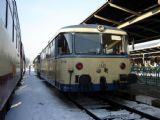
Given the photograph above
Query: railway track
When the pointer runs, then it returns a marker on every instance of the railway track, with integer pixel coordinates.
(142, 109)
(102, 108)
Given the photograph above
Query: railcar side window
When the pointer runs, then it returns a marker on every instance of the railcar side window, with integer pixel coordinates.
(125, 42)
(15, 34)
(3, 11)
(65, 43)
(48, 52)
(53, 49)
(17, 39)
(10, 23)
(15, 17)
(43, 54)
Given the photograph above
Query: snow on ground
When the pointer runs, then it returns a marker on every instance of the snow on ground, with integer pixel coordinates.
(148, 109)
(145, 99)
(36, 100)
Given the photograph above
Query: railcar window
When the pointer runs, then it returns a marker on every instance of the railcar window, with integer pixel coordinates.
(43, 54)
(125, 42)
(49, 51)
(15, 34)
(10, 23)
(15, 17)
(3, 11)
(19, 46)
(65, 44)
(53, 49)
(113, 44)
(11, 2)
(87, 43)
(18, 38)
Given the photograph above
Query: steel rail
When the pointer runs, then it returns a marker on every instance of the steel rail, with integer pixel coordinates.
(113, 101)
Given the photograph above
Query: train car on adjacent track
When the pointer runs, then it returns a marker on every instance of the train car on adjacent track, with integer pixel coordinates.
(12, 58)
(86, 58)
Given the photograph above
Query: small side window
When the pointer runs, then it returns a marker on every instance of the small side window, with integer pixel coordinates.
(48, 52)
(65, 44)
(53, 49)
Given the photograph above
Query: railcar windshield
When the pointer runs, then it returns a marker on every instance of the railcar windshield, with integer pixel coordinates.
(95, 43)
(114, 44)
(87, 43)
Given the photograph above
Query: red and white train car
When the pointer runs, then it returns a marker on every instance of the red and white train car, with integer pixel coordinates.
(12, 57)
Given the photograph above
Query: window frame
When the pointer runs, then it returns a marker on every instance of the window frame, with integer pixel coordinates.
(85, 33)
(57, 39)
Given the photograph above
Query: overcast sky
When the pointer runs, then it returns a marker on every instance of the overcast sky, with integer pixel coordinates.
(40, 19)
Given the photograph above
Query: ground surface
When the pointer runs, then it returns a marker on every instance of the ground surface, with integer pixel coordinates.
(36, 100)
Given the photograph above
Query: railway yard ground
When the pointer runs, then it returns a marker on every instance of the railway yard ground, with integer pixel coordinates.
(37, 100)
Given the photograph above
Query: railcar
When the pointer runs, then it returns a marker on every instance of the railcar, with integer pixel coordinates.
(36, 63)
(12, 58)
(86, 58)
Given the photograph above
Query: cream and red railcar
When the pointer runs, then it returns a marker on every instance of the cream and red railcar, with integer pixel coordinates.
(86, 58)
(12, 58)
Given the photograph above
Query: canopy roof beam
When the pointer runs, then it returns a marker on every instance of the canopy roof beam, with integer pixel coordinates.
(106, 19)
(136, 34)
(139, 18)
(148, 29)
(124, 9)
(149, 38)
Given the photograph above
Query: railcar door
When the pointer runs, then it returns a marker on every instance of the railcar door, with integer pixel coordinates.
(52, 63)
(64, 52)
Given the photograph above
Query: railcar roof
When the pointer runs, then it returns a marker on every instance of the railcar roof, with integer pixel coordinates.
(90, 28)
(94, 26)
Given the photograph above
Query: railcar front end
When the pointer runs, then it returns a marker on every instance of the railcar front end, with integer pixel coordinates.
(91, 73)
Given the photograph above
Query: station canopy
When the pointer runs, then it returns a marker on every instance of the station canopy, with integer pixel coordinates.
(140, 18)
(146, 50)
